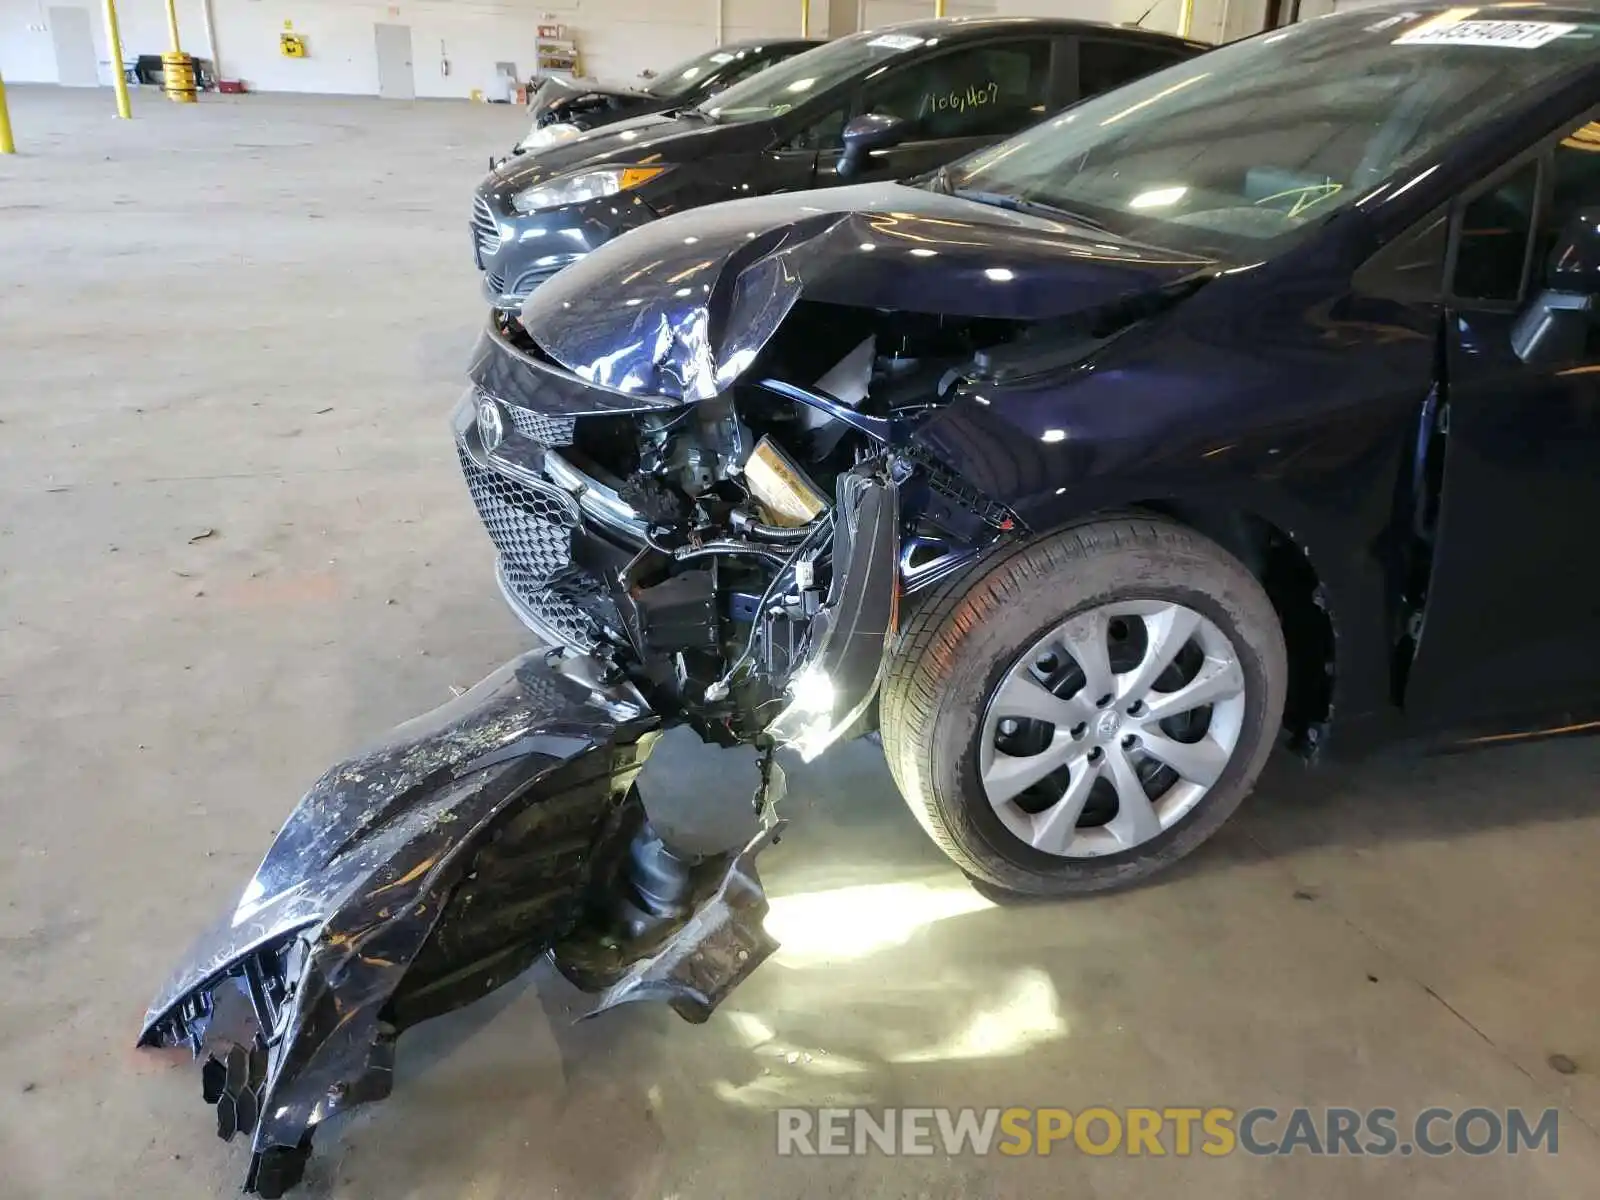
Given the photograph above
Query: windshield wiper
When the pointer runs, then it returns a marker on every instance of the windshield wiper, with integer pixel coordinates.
(1036, 208)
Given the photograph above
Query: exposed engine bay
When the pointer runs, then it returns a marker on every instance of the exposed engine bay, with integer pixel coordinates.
(734, 564)
(722, 550)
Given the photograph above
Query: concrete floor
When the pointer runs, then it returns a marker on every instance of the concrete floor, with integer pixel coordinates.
(233, 546)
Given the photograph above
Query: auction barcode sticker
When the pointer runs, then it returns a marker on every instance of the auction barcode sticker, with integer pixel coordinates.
(1516, 35)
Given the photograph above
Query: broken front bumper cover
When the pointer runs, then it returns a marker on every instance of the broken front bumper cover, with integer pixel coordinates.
(410, 879)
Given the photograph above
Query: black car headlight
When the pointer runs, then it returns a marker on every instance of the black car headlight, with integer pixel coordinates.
(583, 185)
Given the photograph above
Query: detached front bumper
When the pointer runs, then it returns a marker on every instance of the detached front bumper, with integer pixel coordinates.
(410, 880)
(519, 251)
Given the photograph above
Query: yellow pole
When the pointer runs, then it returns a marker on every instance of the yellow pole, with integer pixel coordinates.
(118, 79)
(805, 18)
(177, 69)
(7, 144)
(1185, 16)
(938, 8)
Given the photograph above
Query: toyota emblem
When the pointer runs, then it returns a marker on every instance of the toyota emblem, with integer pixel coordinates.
(491, 426)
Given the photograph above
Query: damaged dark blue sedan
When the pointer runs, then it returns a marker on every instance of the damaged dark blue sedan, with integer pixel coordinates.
(1252, 404)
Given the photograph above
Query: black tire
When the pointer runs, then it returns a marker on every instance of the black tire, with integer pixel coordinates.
(956, 648)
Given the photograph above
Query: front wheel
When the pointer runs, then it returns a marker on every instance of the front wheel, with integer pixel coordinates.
(1089, 709)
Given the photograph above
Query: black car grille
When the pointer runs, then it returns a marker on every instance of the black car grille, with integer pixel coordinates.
(541, 427)
(532, 530)
(560, 607)
(485, 229)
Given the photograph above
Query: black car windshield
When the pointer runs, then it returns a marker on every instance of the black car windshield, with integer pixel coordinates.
(773, 92)
(679, 79)
(1257, 142)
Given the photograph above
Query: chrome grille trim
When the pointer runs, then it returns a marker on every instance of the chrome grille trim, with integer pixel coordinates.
(484, 227)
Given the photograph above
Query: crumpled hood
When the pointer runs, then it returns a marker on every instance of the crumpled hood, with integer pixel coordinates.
(682, 306)
(554, 90)
(561, 97)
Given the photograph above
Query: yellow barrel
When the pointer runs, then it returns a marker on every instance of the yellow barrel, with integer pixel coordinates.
(177, 77)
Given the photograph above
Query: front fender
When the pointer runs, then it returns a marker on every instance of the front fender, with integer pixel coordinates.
(327, 941)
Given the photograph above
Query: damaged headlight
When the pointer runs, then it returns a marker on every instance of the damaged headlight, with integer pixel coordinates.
(584, 185)
(809, 719)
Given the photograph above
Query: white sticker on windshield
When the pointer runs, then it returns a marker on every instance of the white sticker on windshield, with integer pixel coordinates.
(896, 41)
(1399, 18)
(1515, 35)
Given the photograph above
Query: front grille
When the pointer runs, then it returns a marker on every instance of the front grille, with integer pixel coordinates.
(496, 282)
(542, 427)
(484, 227)
(557, 607)
(532, 530)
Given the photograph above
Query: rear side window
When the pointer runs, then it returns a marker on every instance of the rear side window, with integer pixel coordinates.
(1103, 65)
(994, 89)
(1493, 245)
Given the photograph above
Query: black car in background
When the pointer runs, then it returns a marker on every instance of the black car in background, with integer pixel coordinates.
(885, 104)
(562, 108)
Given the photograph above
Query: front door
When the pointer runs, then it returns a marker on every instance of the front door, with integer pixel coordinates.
(954, 103)
(1511, 628)
(396, 79)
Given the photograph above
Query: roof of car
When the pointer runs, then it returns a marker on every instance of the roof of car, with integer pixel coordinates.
(770, 43)
(943, 27)
(1507, 10)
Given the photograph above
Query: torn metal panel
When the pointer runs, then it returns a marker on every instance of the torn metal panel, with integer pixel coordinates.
(839, 676)
(702, 960)
(330, 931)
(682, 307)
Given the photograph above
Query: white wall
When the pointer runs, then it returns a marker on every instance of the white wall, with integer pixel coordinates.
(618, 38)
(27, 56)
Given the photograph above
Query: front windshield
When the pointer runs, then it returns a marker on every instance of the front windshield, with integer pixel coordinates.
(1260, 140)
(679, 79)
(773, 92)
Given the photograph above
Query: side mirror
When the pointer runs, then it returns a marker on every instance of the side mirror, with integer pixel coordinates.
(1574, 265)
(869, 132)
(1555, 327)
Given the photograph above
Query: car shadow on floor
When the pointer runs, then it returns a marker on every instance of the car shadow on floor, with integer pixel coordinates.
(897, 981)
(847, 811)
